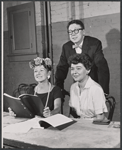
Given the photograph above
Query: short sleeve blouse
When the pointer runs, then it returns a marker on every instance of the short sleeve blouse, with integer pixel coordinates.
(90, 102)
(54, 94)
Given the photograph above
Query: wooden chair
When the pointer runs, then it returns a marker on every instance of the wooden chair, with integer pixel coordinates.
(110, 102)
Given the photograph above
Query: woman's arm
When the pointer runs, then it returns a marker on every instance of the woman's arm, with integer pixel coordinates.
(100, 117)
(57, 108)
(99, 100)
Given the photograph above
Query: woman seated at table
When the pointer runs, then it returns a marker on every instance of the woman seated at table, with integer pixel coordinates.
(87, 98)
(49, 94)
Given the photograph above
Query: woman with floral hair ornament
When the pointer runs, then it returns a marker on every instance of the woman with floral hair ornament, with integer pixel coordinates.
(49, 94)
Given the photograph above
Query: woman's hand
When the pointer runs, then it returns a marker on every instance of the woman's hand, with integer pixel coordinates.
(99, 117)
(47, 112)
(11, 113)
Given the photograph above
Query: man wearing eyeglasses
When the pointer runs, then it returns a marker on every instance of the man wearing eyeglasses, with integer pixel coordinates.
(80, 43)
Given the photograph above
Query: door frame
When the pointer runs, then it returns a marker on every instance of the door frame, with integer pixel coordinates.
(48, 48)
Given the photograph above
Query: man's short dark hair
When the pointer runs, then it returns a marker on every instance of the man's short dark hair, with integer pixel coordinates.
(81, 58)
(78, 22)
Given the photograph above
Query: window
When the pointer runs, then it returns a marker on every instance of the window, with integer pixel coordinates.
(21, 26)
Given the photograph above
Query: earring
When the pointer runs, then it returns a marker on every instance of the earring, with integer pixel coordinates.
(48, 77)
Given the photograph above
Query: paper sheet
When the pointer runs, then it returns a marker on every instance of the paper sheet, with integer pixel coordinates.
(23, 127)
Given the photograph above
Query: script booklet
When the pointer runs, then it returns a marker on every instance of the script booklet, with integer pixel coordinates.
(26, 105)
(58, 121)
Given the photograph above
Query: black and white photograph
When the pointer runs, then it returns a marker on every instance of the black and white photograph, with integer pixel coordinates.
(60, 74)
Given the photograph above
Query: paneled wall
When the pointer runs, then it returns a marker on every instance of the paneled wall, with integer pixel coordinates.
(19, 72)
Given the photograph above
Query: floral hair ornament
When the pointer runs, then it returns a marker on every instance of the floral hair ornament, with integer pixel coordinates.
(41, 61)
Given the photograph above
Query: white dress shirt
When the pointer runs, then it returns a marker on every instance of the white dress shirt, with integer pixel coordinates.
(79, 48)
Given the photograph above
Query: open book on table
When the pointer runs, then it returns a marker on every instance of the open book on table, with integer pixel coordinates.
(26, 105)
(58, 121)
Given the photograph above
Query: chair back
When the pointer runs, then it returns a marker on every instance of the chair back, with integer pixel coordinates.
(110, 102)
(24, 88)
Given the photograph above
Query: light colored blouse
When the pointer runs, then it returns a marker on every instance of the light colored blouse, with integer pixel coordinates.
(90, 102)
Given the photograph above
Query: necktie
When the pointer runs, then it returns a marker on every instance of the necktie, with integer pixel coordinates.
(77, 48)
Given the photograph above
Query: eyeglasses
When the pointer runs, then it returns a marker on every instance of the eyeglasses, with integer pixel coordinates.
(76, 31)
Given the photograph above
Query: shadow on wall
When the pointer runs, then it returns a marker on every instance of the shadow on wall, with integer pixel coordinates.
(113, 41)
(112, 54)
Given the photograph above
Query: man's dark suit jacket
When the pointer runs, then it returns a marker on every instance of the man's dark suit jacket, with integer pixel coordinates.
(92, 47)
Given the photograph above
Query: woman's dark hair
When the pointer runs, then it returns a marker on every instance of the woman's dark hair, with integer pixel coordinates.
(79, 22)
(81, 58)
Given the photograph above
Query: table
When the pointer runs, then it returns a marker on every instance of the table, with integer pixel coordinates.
(82, 134)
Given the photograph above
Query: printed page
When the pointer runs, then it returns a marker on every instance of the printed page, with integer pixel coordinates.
(7, 95)
(25, 94)
(23, 127)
